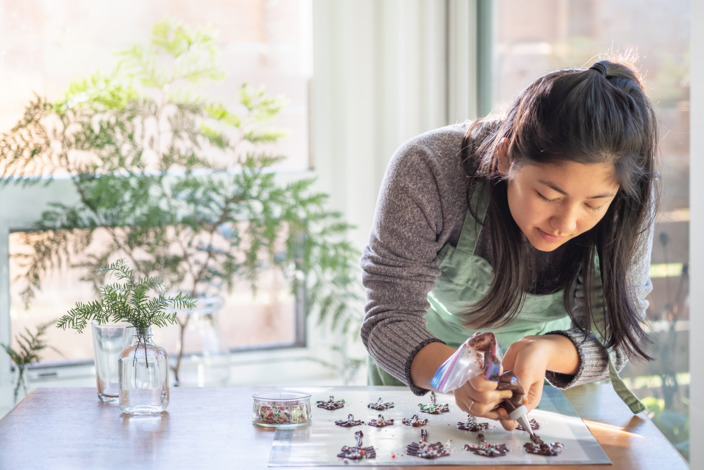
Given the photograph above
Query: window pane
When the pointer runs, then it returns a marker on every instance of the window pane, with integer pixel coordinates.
(43, 47)
(265, 320)
(573, 33)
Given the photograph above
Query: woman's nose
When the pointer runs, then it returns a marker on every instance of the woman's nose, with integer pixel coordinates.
(565, 221)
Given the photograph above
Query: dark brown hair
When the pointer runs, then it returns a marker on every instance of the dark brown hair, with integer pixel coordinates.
(597, 115)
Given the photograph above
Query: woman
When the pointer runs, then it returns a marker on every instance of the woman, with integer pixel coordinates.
(506, 225)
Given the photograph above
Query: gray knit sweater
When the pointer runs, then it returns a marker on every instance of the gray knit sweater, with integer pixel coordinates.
(421, 207)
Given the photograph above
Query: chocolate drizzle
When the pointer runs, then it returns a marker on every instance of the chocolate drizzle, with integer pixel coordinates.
(472, 425)
(414, 421)
(434, 408)
(534, 426)
(539, 447)
(485, 449)
(425, 450)
(331, 404)
(357, 452)
(380, 422)
(350, 422)
(380, 405)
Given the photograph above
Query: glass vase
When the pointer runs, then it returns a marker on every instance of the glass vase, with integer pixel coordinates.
(203, 358)
(109, 340)
(19, 383)
(144, 376)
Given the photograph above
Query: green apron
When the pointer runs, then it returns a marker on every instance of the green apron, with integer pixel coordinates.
(464, 280)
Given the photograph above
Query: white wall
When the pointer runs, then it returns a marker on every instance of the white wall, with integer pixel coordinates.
(381, 77)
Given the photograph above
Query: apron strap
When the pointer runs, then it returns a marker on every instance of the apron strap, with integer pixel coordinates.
(624, 393)
(621, 389)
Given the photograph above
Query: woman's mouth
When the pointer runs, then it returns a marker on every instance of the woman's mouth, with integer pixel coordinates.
(551, 238)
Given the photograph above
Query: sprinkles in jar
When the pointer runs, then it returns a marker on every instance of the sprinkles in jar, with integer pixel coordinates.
(281, 409)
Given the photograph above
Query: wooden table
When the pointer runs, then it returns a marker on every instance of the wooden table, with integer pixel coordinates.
(69, 428)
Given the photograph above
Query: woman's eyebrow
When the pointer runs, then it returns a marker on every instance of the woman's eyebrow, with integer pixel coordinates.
(555, 187)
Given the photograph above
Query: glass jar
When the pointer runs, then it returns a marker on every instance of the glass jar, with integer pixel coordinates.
(144, 376)
(203, 358)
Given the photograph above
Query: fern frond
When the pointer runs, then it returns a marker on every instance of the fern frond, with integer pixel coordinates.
(30, 344)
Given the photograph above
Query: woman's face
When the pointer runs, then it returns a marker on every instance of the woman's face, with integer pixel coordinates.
(555, 202)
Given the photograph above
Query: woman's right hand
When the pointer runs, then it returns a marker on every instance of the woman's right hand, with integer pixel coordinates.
(479, 397)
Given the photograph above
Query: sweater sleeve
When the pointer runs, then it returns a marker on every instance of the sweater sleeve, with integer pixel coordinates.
(421, 206)
(594, 357)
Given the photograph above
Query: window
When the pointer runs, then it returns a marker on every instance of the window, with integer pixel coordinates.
(43, 50)
(261, 42)
(566, 34)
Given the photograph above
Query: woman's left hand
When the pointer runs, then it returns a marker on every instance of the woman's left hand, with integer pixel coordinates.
(532, 356)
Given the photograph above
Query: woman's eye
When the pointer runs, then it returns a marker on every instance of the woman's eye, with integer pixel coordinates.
(540, 195)
(595, 209)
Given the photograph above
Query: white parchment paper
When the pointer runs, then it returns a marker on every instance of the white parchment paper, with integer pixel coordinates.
(318, 443)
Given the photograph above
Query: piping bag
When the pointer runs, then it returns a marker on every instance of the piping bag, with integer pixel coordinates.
(481, 355)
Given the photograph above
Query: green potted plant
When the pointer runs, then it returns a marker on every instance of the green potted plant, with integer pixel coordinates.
(139, 301)
(182, 186)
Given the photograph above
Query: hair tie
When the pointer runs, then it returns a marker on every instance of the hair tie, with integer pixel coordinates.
(599, 67)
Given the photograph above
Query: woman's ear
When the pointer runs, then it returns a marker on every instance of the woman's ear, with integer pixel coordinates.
(503, 161)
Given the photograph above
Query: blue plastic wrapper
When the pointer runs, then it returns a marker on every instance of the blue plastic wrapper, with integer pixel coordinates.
(480, 354)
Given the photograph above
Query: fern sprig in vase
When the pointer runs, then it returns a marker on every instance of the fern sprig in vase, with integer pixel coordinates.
(138, 301)
(129, 300)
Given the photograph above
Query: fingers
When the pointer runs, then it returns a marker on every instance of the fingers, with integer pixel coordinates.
(486, 410)
(480, 403)
(480, 384)
(465, 402)
(508, 424)
(533, 394)
(527, 358)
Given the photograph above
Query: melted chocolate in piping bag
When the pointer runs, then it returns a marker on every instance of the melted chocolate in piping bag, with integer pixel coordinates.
(480, 354)
(509, 381)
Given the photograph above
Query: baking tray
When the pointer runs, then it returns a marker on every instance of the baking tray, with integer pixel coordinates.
(319, 443)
